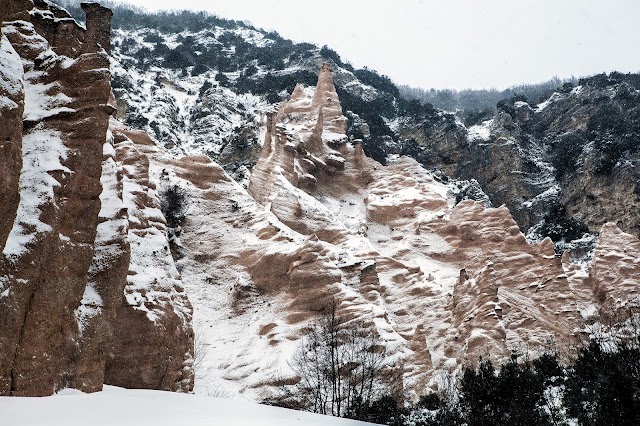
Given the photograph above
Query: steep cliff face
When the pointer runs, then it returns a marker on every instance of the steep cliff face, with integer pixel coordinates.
(11, 108)
(97, 313)
(456, 280)
(64, 232)
(591, 136)
(151, 346)
(207, 90)
(50, 245)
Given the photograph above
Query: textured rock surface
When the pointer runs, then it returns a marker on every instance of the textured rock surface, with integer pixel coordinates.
(64, 230)
(616, 267)
(11, 108)
(90, 293)
(50, 246)
(203, 88)
(151, 346)
(578, 150)
(107, 276)
(443, 282)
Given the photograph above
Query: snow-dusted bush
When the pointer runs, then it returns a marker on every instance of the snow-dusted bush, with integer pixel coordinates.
(174, 203)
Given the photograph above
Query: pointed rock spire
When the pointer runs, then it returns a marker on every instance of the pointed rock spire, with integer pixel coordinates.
(325, 90)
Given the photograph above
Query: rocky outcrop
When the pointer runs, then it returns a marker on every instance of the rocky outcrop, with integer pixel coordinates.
(443, 281)
(90, 292)
(242, 266)
(520, 292)
(568, 161)
(507, 165)
(616, 266)
(64, 230)
(152, 341)
(56, 220)
(98, 34)
(193, 104)
(97, 314)
(386, 242)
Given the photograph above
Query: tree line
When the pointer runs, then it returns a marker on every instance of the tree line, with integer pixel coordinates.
(473, 100)
(344, 371)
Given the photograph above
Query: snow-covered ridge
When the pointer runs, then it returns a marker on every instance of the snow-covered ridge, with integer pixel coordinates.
(201, 106)
(179, 110)
(441, 281)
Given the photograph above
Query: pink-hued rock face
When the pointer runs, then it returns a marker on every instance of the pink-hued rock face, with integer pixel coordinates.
(616, 266)
(65, 229)
(444, 284)
(50, 245)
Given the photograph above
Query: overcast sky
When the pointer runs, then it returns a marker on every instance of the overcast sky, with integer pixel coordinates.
(452, 43)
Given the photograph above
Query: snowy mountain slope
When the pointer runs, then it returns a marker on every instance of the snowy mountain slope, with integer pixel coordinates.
(201, 84)
(442, 281)
(181, 112)
(563, 167)
(519, 164)
(207, 90)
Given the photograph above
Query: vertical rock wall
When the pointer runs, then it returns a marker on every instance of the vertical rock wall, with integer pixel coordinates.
(11, 108)
(50, 246)
(153, 339)
(107, 277)
(65, 226)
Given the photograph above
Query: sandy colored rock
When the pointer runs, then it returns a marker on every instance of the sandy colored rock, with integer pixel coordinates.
(442, 283)
(616, 266)
(90, 292)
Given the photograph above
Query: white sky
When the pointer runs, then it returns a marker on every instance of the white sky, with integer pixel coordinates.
(452, 43)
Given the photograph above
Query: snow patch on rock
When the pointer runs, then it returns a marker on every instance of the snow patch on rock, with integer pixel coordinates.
(480, 131)
(11, 73)
(43, 151)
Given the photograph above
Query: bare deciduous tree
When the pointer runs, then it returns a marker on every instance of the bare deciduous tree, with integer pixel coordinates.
(199, 352)
(340, 364)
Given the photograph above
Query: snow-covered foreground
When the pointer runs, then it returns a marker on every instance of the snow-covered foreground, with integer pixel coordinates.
(118, 406)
